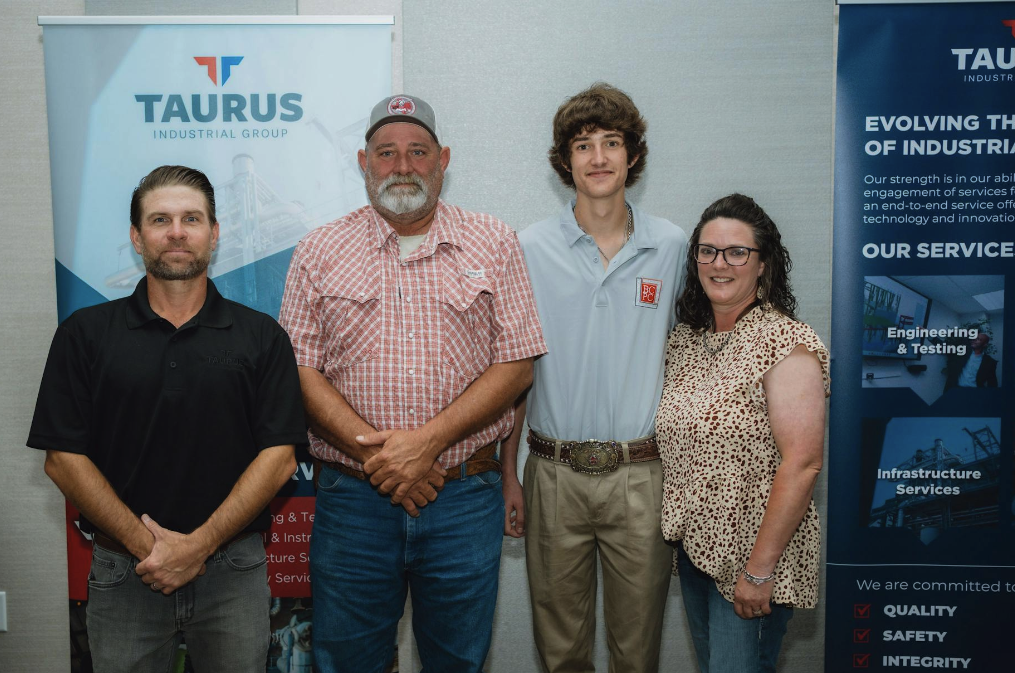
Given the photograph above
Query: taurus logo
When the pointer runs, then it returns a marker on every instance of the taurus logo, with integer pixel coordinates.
(209, 62)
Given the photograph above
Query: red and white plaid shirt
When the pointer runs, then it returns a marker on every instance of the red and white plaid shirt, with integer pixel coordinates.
(401, 340)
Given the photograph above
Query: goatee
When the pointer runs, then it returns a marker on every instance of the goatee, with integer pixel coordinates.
(399, 199)
(161, 269)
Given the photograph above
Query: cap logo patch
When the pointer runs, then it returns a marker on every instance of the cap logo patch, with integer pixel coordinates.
(648, 292)
(400, 105)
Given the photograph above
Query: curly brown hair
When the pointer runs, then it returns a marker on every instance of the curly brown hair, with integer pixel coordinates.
(693, 306)
(601, 106)
(171, 176)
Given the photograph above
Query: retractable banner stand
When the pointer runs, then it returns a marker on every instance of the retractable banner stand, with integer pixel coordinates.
(921, 544)
(273, 110)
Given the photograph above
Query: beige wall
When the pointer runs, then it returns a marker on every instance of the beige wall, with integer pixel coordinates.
(737, 95)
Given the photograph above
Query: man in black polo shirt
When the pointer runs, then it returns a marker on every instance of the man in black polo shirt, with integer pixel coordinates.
(169, 419)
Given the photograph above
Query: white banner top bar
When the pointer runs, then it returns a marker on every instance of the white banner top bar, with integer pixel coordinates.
(191, 20)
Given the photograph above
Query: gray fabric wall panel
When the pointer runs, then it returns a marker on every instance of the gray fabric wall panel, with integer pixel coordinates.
(738, 96)
(33, 553)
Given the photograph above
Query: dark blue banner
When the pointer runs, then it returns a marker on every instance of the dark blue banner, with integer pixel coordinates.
(921, 545)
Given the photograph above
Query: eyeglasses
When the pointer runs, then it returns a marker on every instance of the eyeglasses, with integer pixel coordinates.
(734, 256)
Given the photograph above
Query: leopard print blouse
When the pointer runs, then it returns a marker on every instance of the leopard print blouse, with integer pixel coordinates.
(719, 457)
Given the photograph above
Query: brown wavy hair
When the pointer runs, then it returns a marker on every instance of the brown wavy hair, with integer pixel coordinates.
(600, 106)
(693, 306)
(171, 176)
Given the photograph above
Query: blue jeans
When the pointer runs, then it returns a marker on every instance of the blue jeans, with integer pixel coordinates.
(223, 614)
(366, 553)
(724, 642)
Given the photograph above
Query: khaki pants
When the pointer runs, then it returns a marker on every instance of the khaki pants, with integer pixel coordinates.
(572, 517)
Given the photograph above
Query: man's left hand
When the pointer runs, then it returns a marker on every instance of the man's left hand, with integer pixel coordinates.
(424, 491)
(405, 458)
(175, 559)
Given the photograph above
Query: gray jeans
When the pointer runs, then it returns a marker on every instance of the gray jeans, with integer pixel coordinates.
(223, 614)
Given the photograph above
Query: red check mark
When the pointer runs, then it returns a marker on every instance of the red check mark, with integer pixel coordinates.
(861, 660)
(861, 635)
(861, 610)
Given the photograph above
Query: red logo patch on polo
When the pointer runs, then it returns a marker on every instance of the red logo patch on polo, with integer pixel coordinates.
(400, 105)
(648, 292)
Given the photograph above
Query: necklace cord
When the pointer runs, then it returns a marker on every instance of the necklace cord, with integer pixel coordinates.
(628, 230)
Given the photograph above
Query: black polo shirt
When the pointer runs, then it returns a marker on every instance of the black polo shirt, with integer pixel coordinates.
(172, 417)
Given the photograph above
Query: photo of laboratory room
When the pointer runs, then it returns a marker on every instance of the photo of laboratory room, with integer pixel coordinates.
(933, 334)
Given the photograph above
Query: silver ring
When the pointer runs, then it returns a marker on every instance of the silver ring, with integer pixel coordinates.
(155, 586)
(758, 613)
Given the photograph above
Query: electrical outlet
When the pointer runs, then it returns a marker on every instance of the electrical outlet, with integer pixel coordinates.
(3, 610)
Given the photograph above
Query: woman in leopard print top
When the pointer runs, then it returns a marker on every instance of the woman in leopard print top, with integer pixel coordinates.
(741, 430)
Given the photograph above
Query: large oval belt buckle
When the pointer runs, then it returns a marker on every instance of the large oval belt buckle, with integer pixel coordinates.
(593, 457)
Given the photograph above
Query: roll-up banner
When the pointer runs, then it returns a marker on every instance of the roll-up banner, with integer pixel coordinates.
(921, 545)
(273, 110)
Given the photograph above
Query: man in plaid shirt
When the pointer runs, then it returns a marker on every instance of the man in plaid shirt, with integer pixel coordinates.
(415, 330)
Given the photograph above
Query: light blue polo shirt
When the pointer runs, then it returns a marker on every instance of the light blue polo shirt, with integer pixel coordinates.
(605, 330)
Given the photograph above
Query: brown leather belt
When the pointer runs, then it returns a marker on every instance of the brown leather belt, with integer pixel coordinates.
(109, 543)
(483, 460)
(594, 456)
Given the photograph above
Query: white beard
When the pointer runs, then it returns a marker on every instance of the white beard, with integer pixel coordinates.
(401, 200)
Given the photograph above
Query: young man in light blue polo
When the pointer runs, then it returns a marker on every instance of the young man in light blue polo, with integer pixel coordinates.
(606, 276)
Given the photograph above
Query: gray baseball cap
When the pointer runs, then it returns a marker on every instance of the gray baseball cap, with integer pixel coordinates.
(405, 109)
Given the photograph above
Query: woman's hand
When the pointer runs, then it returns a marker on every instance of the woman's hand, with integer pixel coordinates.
(751, 600)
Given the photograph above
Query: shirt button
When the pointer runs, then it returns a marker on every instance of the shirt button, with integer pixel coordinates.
(411, 334)
(172, 365)
(412, 412)
(411, 371)
(408, 299)
(595, 259)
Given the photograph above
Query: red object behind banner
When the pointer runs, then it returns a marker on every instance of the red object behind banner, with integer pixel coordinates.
(287, 543)
(79, 557)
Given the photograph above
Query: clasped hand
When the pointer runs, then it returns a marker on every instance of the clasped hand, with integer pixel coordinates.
(402, 466)
(174, 561)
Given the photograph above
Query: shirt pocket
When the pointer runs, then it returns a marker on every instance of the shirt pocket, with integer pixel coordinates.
(467, 324)
(351, 315)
